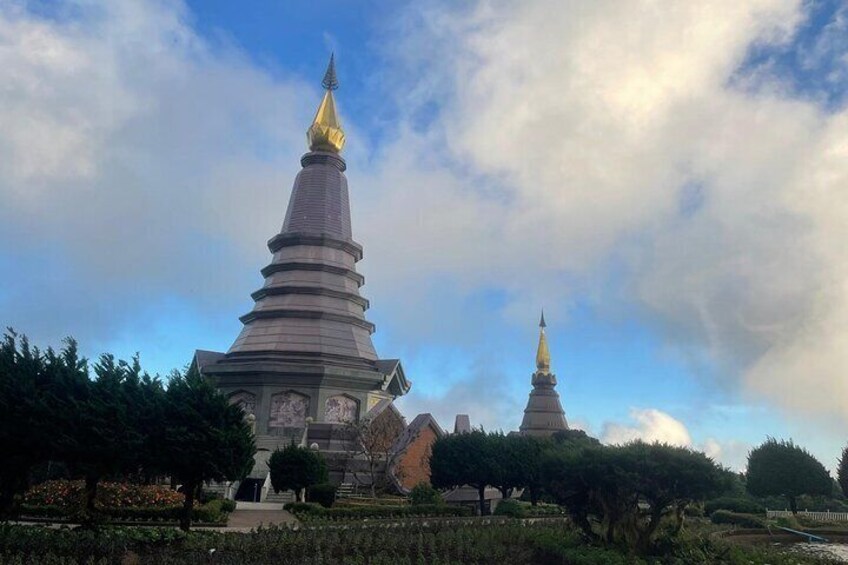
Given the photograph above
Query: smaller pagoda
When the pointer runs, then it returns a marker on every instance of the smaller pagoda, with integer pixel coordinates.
(544, 414)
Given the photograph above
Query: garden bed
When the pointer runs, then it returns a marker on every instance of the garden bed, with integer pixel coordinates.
(118, 503)
(477, 541)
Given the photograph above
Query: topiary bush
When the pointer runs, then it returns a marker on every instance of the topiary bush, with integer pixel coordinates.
(511, 508)
(733, 504)
(324, 494)
(736, 519)
(424, 493)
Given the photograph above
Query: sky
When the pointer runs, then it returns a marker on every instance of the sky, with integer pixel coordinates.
(668, 181)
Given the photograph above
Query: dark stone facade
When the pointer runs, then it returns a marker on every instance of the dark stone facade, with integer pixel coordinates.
(304, 358)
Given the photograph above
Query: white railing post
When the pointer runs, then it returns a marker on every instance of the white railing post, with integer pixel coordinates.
(266, 486)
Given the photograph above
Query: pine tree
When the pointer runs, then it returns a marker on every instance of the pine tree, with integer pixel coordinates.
(206, 438)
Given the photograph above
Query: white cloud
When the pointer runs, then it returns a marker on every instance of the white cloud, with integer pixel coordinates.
(137, 161)
(568, 138)
(649, 425)
(558, 139)
(485, 398)
(652, 425)
(733, 453)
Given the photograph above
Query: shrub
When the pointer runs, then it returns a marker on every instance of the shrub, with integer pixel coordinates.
(324, 494)
(301, 507)
(213, 511)
(295, 468)
(742, 520)
(543, 510)
(511, 508)
(738, 505)
(424, 493)
(109, 495)
(207, 495)
(694, 511)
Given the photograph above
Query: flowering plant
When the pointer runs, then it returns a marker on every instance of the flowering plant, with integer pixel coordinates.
(109, 495)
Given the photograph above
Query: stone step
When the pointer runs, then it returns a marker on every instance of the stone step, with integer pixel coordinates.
(241, 505)
(283, 497)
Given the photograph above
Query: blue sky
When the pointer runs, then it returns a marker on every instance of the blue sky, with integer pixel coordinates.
(668, 186)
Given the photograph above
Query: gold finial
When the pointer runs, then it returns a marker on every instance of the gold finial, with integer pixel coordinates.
(543, 355)
(325, 133)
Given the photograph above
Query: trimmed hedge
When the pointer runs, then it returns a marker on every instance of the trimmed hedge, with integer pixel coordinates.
(738, 505)
(424, 493)
(736, 519)
(324, 494)
(307, 511)
(214, 511)
(511, 508)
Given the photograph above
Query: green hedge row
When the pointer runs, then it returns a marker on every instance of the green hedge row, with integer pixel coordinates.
(468, 542)
(212, 512)
(307, 511)
(737, 519)
(738, 505)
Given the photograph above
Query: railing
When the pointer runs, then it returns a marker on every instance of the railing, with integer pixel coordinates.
(823, 516)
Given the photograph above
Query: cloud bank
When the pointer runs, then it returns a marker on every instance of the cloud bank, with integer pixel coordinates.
(620, 152)
(610, 151)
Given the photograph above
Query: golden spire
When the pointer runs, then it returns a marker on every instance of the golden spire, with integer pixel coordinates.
(543, 355)
(325, 133)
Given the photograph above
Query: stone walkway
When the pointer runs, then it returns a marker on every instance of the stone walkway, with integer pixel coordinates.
(246, 520)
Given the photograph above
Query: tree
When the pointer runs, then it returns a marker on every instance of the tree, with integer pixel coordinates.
(574, 438)
(24, 440)
(146, 397)
(585, 482)
(842, 472)
(508, 463)
(206, 438)
(372, 439)
(628, 489)
(530, 456)
(295, 468)
(781, 468)
(462, 459)
(669, 478)
(101, 437)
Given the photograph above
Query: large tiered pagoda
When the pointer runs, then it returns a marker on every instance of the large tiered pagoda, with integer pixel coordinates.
(304, 362)
(544, 414)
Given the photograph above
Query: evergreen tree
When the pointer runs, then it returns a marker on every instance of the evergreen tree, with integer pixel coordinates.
(146, 398)
(206, 438)
(508, 466)
(296, 468)
(628, 489)
(24, 439)
(842, 472)
(463, 459)
(108, 438)
(781, 468)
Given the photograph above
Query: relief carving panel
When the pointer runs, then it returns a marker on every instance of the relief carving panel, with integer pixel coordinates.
(245, 400)
(340, 409)
(288, 410)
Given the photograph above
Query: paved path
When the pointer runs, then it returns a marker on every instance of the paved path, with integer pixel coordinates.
(246, 520)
